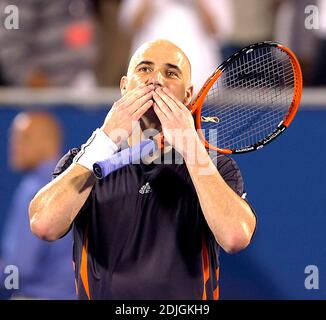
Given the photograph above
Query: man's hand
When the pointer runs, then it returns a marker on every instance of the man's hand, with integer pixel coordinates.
(230, 219)
(176, 119)
(124, 114)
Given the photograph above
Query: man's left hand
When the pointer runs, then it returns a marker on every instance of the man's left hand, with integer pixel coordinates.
(176, 119)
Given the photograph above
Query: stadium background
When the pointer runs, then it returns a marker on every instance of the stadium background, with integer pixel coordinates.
(285, 181)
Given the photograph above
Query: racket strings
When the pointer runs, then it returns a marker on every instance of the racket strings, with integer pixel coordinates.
(249, 100)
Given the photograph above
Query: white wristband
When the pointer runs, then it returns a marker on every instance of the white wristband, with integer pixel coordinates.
(97, 148)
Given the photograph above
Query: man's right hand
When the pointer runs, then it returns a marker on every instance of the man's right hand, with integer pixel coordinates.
(126, 112)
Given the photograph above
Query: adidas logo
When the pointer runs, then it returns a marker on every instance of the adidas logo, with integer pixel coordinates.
(146, 188)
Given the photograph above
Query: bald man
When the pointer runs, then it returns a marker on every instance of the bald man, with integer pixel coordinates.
(35, 138)
(147, 231)
(45, 269)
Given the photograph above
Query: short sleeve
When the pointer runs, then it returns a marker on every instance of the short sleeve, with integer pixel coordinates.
(230, 172)
(64, 162)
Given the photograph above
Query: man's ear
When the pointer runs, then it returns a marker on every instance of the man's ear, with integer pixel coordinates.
(189, 94)
(123, 85)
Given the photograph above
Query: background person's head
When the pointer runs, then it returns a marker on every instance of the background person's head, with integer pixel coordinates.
(35, 137)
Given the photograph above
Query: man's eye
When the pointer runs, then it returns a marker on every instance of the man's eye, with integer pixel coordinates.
(144, 69)
(172, 74)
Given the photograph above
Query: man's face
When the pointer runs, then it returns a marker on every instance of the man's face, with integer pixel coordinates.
(163, 65)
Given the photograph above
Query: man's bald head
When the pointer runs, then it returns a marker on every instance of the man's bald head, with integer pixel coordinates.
(161, 45)
(35, 138)
(162, 63)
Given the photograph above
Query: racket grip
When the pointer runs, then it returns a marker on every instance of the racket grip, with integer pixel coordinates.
(121, 159)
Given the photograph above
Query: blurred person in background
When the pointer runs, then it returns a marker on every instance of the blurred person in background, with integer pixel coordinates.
(319, 64)
(54, 45)
(253, 22)
(290, 29)
(198, 27)
(113, 42)
(45, 269)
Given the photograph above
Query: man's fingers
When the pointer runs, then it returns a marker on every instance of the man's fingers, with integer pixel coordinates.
(140, 102)
(137, 94)
(174, 98)
(178, 103)
(161, 116)
(164, 108)
(140, 111)
(128, 94)
(167, 100)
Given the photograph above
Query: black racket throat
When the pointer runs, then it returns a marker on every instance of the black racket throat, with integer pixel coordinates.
(262, 143)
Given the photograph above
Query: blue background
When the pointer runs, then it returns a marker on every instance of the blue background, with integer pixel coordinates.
(285, 182)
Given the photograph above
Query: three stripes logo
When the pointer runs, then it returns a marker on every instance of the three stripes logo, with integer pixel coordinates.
(146, 188)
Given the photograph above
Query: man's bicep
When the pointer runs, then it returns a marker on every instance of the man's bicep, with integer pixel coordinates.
(231, 174)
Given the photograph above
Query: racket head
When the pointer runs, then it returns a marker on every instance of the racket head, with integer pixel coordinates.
(250, 99)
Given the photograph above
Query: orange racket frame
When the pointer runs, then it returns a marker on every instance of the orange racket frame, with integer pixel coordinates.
(198, 101)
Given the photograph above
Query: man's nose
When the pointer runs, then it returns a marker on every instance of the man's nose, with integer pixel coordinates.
(156, 78)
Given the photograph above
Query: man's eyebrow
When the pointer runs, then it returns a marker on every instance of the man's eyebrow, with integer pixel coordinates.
(145, 62)
(173, 66)
(168, 65)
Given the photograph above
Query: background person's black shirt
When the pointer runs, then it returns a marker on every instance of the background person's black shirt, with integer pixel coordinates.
(141, 234)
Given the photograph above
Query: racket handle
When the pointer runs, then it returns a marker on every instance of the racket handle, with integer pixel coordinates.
(121, 159)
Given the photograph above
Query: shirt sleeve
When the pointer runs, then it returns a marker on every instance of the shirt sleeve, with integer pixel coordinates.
(64, 162)
(231, 174)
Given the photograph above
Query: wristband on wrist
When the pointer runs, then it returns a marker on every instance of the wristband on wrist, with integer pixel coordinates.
(97, 148)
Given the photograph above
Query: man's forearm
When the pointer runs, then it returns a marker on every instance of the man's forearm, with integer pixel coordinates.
(55, 206)
(229, 217)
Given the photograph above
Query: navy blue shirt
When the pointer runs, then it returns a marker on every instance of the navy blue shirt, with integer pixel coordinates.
(141, 234)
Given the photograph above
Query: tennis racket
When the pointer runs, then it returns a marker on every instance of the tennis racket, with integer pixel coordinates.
(249, 100)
